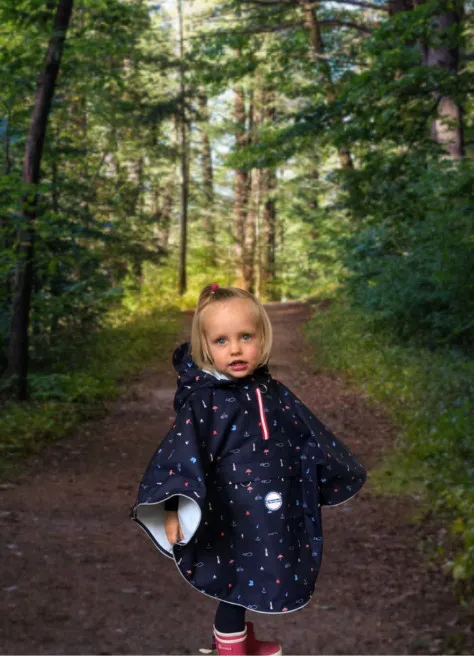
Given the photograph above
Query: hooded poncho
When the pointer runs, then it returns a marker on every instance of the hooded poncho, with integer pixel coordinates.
(251, 466)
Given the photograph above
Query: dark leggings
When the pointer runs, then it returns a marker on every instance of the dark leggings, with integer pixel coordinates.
(229, 618)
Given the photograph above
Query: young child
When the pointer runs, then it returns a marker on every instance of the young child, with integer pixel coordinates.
(234, 492)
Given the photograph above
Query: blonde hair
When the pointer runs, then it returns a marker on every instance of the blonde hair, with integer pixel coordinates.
(214, 294)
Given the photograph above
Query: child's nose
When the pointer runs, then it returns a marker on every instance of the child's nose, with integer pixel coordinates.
(235, 347)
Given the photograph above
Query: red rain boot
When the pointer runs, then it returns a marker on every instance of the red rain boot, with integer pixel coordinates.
(254, 647)
(260, 647)
(231, 644)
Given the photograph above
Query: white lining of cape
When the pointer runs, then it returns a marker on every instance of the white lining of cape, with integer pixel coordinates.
(333, 505)
(152, 516)
(152, 521)
(216, 374)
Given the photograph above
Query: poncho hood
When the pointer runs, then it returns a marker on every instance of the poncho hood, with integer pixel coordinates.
(192, 378)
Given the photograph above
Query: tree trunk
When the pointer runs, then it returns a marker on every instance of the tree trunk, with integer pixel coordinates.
(397, 6)
(54, 285)
(317, 46)
(241, 182)
(268, 188)
(447, 128)
(136, 204)
(206, 153)
(207, 180)
(268, 271)
(183, 242)
(166, 212)
(251, 231)
(280, 231)
(250, 191)
(6, 234)
(18, 335)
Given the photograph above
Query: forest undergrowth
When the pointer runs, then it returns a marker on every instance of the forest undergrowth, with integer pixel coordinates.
(83, 375)
(429, 397)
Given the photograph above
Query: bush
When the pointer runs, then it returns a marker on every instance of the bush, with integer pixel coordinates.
(88, 372)
(410, 252)
(430, 396)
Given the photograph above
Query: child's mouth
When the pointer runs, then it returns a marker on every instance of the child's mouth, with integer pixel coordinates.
(238, 365)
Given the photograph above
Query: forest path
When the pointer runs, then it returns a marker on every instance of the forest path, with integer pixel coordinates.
(79, 577)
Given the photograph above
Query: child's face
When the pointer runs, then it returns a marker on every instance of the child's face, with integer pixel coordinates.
(233, 336)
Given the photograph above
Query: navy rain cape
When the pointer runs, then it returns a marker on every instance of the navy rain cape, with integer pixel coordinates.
(252, 466)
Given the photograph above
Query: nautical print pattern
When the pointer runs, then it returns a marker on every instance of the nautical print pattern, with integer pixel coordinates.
(235, 445)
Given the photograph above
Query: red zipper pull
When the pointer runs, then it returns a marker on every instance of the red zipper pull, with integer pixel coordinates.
(263, 419)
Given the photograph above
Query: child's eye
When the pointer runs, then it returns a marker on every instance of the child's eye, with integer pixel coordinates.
(246, 337)
(220, 340)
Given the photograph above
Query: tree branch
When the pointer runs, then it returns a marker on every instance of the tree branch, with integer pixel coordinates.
(254, 30)
(354, 26)
(360, 3)
(355, 3)
(286, 26)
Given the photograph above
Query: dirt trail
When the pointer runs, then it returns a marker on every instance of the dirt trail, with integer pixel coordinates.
(78, 577)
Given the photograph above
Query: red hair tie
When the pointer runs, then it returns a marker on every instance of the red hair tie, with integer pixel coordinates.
(214, 286)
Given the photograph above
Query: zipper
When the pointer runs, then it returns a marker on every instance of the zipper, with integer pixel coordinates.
(263, 419)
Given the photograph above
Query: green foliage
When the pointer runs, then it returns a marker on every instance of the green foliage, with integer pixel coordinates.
(410, 251)
(106, 147)
(88, 372)
(25, 429)
(430, 397)
(159, 284)
(310, 262)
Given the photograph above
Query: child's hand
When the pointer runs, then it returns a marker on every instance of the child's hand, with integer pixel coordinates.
(173, 529)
